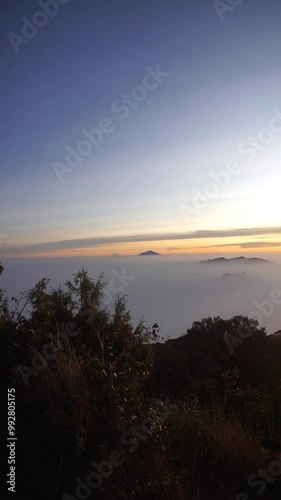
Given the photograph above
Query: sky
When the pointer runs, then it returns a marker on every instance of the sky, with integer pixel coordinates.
(181, 102)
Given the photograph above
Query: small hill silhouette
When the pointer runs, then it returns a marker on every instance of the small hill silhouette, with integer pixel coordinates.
(149, 252)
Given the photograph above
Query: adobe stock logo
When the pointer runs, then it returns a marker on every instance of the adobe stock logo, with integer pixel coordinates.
(110, 291)
(253, 146)
(262, 478)
(30, 28)
(220, 181)
(264, 309)
(131, 438)
(221, 7)
(121, 108)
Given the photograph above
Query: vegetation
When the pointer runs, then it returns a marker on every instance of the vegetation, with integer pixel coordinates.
(188, 418)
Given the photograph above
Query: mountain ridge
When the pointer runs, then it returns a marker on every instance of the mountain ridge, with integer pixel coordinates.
(224, 260)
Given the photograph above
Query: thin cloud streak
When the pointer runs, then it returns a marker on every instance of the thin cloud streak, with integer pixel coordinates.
(249, 244)
(113, 240)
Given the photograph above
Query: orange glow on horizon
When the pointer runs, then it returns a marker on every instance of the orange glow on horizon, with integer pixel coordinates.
(169, 247)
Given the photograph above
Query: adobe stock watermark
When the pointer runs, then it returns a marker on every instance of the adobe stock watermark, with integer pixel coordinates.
(264, 309)
(59, 342)
(116, 458)
(255, 144)
(123, 106)
(221, 179)
(211, 190)
(263, 477)
(40, 360)
(31, 27)
(222, 7)
(110, 291)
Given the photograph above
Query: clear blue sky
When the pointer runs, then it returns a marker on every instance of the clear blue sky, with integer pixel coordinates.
(224, 81)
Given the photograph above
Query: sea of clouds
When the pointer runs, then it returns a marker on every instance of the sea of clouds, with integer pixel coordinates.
(173, 291)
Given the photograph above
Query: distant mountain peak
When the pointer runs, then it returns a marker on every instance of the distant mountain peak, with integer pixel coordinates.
(149, 252)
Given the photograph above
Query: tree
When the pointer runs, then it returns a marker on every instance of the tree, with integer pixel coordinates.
(4, 304)
(88, 291)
